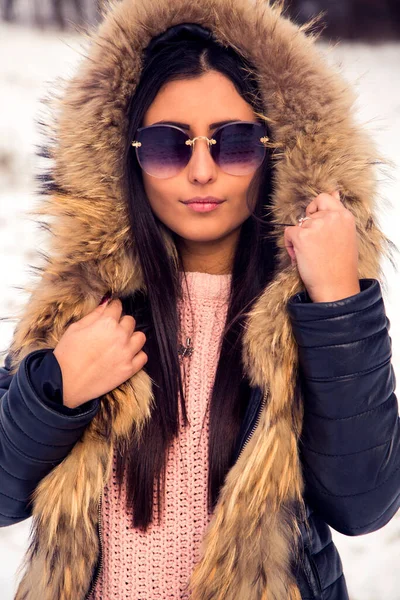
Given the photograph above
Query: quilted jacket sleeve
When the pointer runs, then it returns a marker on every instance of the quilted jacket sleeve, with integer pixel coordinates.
(36, 430)
(350, 443)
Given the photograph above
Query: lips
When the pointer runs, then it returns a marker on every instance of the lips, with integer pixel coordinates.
(203, 207)
(205, 200)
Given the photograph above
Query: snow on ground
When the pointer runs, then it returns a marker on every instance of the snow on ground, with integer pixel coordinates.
(30, 61)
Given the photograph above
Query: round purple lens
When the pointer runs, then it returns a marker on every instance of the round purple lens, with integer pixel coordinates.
(163, 152)
(238, 150)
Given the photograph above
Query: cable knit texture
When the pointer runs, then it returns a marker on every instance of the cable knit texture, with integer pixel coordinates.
(157, 564)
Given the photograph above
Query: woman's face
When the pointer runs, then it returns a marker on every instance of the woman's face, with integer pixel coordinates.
(198, 102)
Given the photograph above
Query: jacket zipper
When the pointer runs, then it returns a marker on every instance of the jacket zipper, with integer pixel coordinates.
(263, 402)
(316, 584)
(317, 581)
(100, 549)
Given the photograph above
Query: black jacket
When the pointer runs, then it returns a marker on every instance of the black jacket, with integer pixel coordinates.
(350, 443)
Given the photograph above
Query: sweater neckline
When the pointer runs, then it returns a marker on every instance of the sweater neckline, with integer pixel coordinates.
(205, 285)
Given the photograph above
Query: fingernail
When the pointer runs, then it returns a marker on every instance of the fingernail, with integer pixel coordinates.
(105, 299)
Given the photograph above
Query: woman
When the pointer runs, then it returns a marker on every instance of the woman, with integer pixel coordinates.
(259, 321)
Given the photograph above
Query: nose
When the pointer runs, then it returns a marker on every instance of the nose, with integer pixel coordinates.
(201, 166)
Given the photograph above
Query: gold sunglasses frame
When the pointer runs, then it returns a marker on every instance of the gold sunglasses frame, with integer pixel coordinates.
(190, 142)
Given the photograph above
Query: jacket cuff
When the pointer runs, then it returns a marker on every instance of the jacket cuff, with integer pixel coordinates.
(344, 337)
(302, 308)
(31, 429)
(43, 408)
(46, 377)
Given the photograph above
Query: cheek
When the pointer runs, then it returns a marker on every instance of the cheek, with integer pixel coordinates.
(241, 201)
(162, 196)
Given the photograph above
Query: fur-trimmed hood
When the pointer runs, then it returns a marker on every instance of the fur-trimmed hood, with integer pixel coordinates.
(309, 107)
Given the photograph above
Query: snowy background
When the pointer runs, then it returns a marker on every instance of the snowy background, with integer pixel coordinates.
(29, 61)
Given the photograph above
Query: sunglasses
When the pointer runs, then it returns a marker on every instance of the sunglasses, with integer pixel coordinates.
(238, 148)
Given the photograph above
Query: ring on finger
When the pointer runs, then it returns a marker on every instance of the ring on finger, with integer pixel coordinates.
(302, 219)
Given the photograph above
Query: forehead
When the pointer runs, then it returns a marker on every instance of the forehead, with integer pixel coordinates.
(201, 102)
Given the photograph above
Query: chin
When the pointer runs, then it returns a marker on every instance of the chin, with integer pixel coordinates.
(205, 236)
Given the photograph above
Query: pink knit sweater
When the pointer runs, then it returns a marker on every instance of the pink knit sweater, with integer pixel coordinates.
(157, 564)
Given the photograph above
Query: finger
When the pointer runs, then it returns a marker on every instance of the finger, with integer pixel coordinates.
(113, 309)
(287, 237)
(92, 315)
(323, 201)
(128, 323)
(139, 360)
(137, 342)
(312, 208)
(307, 222)
(321, 214)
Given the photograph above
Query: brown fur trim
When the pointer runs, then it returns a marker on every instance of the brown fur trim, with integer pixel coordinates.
(64, 545)
(318, 147)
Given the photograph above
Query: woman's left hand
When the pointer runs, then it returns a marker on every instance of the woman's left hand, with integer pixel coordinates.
(325, 248)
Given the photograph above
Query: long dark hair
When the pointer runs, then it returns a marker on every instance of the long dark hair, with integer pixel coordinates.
(172, 56)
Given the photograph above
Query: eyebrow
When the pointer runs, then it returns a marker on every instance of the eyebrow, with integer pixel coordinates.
(186, 126)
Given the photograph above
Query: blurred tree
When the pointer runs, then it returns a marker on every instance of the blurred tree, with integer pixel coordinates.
(372, 18)
(59, 11)
(394, 6)
(337, 13)
(63, 13)
(353, 19)
(8, 13)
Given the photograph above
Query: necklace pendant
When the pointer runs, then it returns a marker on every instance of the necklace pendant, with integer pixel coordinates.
(186, 350)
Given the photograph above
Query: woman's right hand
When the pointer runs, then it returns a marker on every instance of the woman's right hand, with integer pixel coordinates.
(98, 353)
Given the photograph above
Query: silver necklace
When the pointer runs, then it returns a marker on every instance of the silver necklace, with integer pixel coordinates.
(186, 350)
